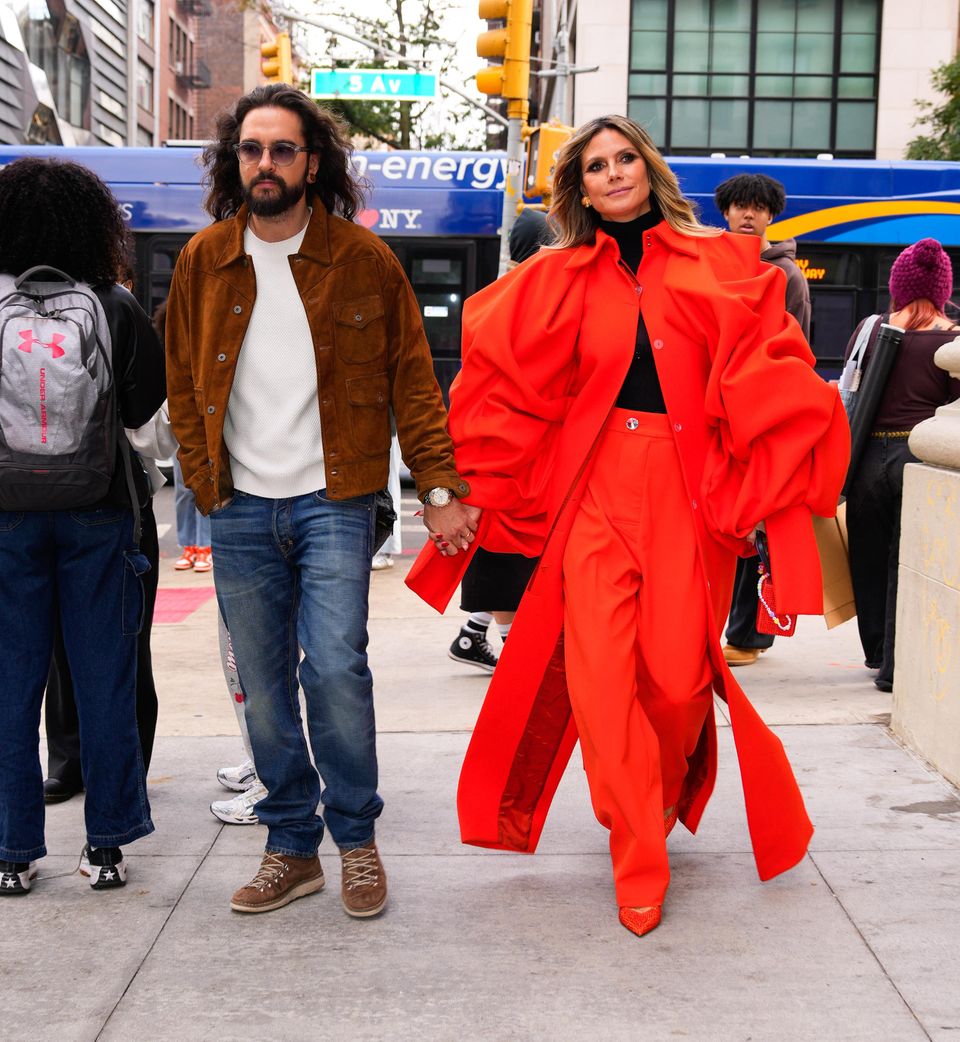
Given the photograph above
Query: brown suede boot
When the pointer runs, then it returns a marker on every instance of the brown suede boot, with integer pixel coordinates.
(282, 878)
(741, 656)
(363, 887)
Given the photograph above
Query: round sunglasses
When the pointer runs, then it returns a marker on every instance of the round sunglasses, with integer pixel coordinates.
(283, 153)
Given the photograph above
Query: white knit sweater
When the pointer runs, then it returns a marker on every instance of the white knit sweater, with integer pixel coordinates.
(272, 426)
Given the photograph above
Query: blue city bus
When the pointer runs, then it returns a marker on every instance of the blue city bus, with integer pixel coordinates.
(440, 212)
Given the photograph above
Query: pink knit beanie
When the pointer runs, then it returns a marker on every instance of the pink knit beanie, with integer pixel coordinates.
(922, 270)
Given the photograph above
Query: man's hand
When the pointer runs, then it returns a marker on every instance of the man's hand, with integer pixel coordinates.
(451, 527)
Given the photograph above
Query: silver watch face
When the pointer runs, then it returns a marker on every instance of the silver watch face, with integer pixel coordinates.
(439, 497)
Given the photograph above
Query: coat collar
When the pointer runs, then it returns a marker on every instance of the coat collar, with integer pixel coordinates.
(316, 242)
(662, 232)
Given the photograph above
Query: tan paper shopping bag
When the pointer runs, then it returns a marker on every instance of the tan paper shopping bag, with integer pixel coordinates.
(831, 533)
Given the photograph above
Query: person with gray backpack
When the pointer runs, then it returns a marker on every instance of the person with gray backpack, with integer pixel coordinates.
(79, 361)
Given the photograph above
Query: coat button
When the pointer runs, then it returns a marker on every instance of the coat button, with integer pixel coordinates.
(334, 473)
(211, 409)
(638, 290)
(658, 344)
(694, 504)
(237, 310)
(678, 427)
(358, 317)
(221, 358)
(633, 423)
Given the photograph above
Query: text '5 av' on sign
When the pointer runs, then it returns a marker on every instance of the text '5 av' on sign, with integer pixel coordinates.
(373, 84)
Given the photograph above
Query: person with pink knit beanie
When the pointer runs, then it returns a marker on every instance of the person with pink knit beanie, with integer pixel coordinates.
(921, 282)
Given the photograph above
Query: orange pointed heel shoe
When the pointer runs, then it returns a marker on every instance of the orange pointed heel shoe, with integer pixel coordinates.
(640, 920)
(669, 820)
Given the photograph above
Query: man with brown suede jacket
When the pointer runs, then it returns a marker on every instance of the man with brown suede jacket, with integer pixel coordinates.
(292, 336)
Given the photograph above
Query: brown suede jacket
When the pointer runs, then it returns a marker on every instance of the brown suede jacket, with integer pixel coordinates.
(372, 355)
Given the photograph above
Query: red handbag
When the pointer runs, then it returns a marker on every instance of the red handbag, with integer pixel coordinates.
(769, 620)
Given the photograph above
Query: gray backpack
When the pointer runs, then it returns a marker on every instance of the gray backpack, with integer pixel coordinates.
(59, 417)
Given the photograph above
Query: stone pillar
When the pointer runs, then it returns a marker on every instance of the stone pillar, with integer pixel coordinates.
(926, 687)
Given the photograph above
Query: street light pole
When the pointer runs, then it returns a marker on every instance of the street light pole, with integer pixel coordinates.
(511, 80)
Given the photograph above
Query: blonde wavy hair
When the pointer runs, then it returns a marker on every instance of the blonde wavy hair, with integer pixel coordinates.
(575, 224)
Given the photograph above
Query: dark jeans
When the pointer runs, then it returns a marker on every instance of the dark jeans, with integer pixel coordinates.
(78, 563)
(873, 524)
(60, 707)
(742, 624)
(291, 575)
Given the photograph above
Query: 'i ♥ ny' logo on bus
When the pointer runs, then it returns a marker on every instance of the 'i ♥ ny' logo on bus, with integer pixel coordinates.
(386, 220)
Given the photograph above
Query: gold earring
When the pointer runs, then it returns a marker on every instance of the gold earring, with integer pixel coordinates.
(585, 202)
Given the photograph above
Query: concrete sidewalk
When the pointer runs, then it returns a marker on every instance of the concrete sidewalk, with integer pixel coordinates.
(858, 942)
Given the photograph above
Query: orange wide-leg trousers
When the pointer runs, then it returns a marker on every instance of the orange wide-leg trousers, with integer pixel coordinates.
(636, 624)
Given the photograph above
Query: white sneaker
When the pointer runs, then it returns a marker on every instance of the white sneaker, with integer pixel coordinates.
(381, 561)
(238, 779)
(240, 810)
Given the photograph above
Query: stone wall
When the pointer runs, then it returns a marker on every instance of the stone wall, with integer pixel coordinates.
(926, 686)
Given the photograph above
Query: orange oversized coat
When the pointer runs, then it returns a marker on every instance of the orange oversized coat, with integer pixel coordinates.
(760, 438)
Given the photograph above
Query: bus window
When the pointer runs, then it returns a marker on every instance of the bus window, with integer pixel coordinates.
(443, 275)
(156, 255)
(437, 270)
(833, 318)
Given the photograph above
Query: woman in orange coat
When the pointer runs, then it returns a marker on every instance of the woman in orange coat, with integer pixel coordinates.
(633, 404)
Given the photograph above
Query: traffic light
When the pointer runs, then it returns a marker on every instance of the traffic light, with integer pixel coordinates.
(543, 144)
(276, 59)
(512, 44)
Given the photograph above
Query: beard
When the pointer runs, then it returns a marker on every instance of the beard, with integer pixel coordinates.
(284, 198)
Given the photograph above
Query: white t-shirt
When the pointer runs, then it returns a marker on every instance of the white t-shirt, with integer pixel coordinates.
(272, 426)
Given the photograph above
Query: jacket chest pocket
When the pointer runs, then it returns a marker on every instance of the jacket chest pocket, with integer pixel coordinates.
(369, 397)
(360, 330)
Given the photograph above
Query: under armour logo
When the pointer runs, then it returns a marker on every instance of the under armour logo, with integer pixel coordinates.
(29, 339)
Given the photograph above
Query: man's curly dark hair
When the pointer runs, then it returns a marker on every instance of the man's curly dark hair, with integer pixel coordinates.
(324, 133)
(751, 189)
(61, 214)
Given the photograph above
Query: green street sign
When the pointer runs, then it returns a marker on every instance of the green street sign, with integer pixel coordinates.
(373, 84)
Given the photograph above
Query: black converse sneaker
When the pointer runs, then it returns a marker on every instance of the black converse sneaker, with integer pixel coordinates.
(105, 867)
(16, 877)
(472, 648)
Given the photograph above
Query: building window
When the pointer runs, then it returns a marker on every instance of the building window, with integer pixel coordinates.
(144, 86)
(145, 16)
(181, 49)
(766, 77)
(55, 43)
(179, 121)
(42, 128)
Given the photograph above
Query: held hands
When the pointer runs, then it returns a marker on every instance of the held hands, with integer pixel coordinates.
(451, 527)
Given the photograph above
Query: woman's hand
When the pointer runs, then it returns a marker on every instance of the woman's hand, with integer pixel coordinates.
(452, 527)
(752, 537)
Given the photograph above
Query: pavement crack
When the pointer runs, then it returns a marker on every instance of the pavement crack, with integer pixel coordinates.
(159, 934)
(869, 947)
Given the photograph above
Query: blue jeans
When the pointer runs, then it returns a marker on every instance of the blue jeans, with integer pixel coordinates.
(81, 564)
(294, 574)
(193, 529)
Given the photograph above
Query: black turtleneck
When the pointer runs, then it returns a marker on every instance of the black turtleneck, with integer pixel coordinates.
(641, 388)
